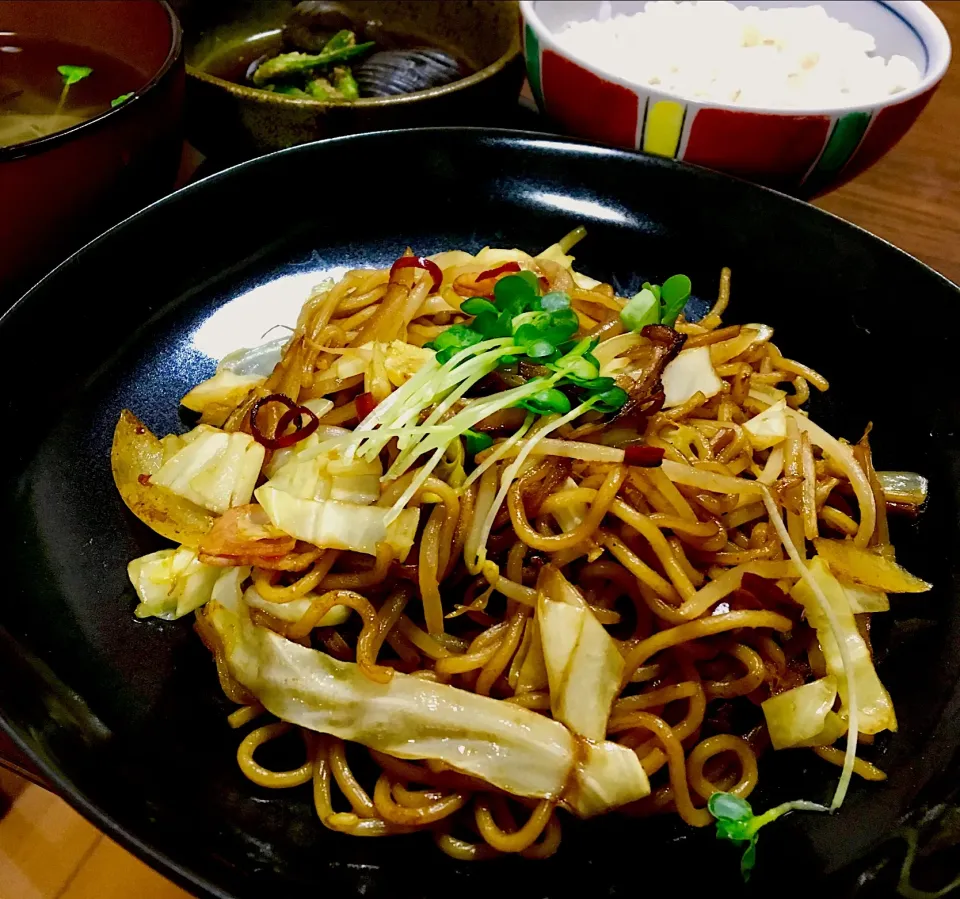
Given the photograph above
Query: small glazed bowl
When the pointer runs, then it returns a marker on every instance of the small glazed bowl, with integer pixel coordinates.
(61, 190)
(234, 121)
(797, 151)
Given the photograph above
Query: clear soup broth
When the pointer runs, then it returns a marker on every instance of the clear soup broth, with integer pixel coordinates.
(35, 99)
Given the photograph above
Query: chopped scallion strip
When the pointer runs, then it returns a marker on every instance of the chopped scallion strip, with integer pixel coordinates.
(642, 310)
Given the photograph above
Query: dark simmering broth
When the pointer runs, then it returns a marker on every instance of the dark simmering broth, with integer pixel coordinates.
(34, 99)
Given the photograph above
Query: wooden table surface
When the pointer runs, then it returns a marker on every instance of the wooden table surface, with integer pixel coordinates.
(911, 198)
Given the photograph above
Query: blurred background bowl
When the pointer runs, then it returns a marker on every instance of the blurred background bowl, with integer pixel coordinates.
(61, 190)
(233, 121)
(797, 151)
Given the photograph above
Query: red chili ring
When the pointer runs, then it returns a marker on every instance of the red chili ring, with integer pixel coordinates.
(285, 440)
(287, 419)
(281, 440)
(644, 456)
(499, 270)
(365, 404)
(419, 262)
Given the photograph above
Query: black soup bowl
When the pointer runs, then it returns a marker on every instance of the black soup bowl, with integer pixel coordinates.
(126, 717)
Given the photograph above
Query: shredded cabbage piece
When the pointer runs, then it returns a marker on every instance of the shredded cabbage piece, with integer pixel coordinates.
(804, 716)
(515, 749)
(172, 583)
(832, 625)
(769, 427)
(258, 361)
(869, 569)
(211, 468)
(135, 457)
(331, 524)
(584, 666)
(873, 701)
(864, 599)
(533, 668)
(689, 373)
(308, 472)
(904, 487)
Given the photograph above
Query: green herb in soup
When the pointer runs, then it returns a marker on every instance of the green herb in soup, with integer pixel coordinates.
(324, 52)
(48, 86)
(71, 75)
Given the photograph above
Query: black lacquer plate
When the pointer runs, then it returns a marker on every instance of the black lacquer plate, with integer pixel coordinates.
(126, 717)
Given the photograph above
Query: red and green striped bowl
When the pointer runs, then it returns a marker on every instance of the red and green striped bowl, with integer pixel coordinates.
(797, 151)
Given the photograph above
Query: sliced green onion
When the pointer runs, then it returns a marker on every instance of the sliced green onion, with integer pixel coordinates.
(653, 288)
(642, 310)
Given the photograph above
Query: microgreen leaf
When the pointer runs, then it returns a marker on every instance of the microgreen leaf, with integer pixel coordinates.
(491, 324)
(527, 334)
(727, 806)
(478, 305)
(73, 74)
(595, 385)
(448, 343)
(455, 336)
(476, 442)
(117, 101)
(541, 350)
(559, 326)
(515, 294)
(674, 295)
(547, 401)
(583, 348)
(737, 823)
(578, 368)
(531, 279)
(611, 400)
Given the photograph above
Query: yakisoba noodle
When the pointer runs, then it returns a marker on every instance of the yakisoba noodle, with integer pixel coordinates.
(680, 516)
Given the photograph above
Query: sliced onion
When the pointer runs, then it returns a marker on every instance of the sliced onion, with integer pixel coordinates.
(258, 361)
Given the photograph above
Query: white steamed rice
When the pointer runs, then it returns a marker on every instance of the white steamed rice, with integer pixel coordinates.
(795, 58)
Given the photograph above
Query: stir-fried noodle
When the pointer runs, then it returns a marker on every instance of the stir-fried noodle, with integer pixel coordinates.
(674, 514)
